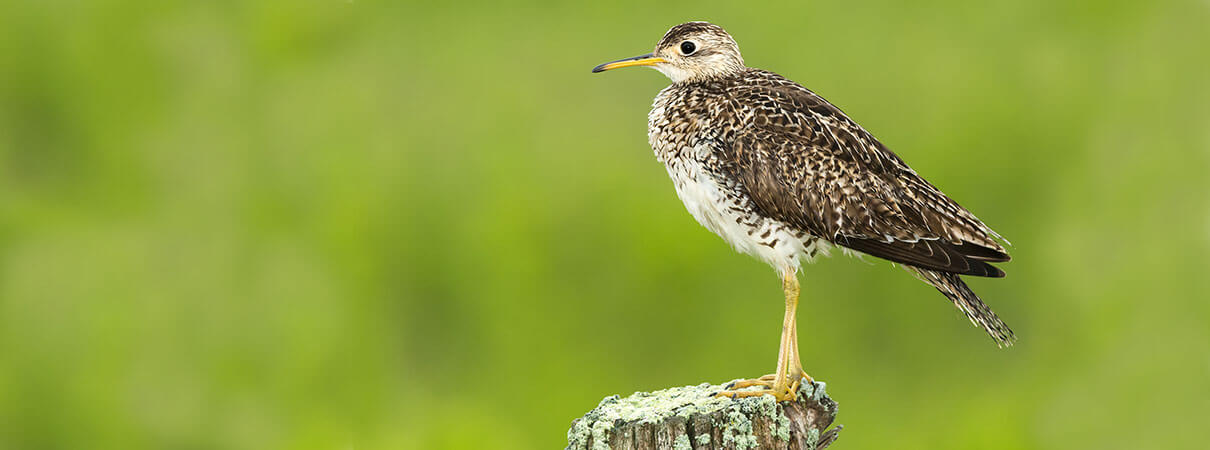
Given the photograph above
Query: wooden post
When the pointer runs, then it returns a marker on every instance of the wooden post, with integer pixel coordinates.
(692, 418)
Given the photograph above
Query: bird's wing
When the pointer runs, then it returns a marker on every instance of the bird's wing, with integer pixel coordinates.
(802, 161)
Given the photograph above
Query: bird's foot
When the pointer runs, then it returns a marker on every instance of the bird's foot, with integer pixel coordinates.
(768, 380)
(782, 394)
(788, 390)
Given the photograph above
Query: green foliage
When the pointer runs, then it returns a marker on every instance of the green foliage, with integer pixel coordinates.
(349, 224)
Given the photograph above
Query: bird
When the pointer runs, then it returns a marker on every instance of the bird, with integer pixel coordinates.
(784, 175)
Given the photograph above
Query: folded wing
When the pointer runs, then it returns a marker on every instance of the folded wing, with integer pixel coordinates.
(805, 163)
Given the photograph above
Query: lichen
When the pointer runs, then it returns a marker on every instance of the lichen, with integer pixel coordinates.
(600, 435)
(813, 391)
(577, 436)
(738, 432)
(812, 439)
(777, 417)
(682, 443)
(783, 427)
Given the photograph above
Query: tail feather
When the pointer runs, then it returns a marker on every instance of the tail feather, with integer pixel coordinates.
(952, 286)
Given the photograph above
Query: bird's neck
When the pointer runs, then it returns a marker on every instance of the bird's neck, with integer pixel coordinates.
(708, 77)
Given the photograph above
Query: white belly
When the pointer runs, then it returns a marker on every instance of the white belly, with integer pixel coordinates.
(765, 239)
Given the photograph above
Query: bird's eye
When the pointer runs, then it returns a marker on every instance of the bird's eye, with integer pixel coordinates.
(688, 47)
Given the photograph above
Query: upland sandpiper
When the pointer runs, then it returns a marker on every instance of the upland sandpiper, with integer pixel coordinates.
(783, 175)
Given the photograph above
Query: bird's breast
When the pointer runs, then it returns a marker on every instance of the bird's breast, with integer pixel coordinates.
(721, 205)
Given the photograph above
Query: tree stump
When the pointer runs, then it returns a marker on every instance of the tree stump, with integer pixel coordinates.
(691, 417)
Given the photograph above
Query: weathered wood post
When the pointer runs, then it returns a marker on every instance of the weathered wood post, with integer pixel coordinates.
(691, 418)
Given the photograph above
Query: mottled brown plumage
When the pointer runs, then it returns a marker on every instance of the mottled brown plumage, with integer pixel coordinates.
(782, 174)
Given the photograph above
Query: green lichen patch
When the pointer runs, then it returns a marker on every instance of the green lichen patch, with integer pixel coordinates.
(812, 440)
(682, 443)
(600, 435)
(738, 432)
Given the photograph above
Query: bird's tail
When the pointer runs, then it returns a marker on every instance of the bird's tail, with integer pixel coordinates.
(965, 299)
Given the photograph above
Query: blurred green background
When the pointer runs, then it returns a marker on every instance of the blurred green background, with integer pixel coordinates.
(354, 224)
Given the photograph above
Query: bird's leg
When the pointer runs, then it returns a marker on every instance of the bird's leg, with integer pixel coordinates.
(796, 372)
(782, 384)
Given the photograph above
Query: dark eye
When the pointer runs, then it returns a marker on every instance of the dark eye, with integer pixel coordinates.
(688, 47)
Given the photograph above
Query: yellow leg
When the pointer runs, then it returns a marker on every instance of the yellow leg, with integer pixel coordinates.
(797, 374)
(782, 384)
(794, 371)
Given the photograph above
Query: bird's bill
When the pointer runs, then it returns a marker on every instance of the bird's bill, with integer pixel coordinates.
(641, 60)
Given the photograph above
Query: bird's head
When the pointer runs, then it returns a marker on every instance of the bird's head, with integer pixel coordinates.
(692, 51)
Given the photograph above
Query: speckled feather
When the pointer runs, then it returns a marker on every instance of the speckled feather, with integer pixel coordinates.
(782, 174)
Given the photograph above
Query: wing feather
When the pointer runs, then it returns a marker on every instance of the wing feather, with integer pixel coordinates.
(804, 162)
